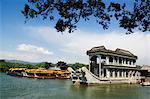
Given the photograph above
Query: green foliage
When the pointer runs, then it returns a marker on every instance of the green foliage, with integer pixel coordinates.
(61, 63)
(70, 12)
(40, 65)
(77, 66)
(48, 65)
(5, 66)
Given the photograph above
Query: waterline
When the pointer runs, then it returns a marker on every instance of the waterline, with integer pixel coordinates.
(26, 88)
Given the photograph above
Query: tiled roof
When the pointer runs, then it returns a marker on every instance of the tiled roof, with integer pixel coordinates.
(117, 51)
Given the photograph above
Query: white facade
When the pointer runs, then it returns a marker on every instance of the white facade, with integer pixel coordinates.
(107, 66)
(116, 62)
(114, 73)
(114, 66)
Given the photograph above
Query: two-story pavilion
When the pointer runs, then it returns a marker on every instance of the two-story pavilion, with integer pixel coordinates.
(113, 65)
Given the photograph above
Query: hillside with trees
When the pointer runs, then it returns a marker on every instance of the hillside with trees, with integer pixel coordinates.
(6, 65)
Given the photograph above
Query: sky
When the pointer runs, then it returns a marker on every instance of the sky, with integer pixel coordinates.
(38, 41)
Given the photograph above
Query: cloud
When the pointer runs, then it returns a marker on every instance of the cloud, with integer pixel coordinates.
(33, 49)
(28, 52)
(76, 44)
(25, 56)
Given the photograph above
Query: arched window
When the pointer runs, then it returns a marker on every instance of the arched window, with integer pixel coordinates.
(116, 59)
(116, 73)
(134, 62)
(110, 59)
(120, 73)
(103, 57)
(130, 61)
(126, 61)
(120, 60)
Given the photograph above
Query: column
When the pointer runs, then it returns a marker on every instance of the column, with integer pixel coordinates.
(128, 62)
(122, 74)
(118, 74)
(113, 60)
(107, 60)
(132, 74)
(121, 61)
(135, 74)
(132, 62)
(125, 74)
(102, 72)
(113, 73)
(107, 73)
(110, 71)
(117, 60)
(99, 65)
(129, 74)
(90, 63)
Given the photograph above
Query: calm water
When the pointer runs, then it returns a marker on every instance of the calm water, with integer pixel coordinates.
(25, 88)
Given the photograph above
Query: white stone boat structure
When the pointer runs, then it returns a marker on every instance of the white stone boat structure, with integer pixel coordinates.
(145, 83)
(108, 66)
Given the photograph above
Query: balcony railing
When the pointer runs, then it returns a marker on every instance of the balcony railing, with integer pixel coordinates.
(119, 64)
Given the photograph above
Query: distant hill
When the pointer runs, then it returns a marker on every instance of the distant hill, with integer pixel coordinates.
(20, 61)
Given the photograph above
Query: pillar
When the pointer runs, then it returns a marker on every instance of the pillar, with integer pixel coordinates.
(121, 61)
(118, 74)
(122, 75)
(132, 62)
(107, 73)
(129, 73)
(107, 60)
(114, 61)
(128, 62)
(125, 74)
(132, 73)
(100, 69)
(117, 60)
(135, 74)
(89, 63)
(113, 73)
(102, 72)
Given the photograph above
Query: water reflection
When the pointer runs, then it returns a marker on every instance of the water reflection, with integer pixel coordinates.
(24, 88)
(124, 91)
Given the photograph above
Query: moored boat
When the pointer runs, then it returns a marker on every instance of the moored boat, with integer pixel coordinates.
(39, 73)
(16, 72)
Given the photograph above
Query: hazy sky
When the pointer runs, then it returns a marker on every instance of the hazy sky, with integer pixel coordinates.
(38, 41)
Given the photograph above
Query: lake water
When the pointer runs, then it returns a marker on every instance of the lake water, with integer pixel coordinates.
(27, 88)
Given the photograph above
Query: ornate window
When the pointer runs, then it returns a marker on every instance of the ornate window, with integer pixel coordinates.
(110, 59)
(120, 60)
(103, 57)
